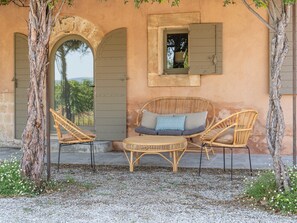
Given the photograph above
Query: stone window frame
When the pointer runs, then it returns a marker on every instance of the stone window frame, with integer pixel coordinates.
(156, 26)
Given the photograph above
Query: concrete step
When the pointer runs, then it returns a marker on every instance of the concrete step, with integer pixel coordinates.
(99, 146)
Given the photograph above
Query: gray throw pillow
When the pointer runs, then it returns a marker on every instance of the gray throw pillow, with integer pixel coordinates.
(194, 120)
(149, 119)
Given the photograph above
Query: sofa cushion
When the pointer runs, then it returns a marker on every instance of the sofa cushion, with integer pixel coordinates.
(194, 131)
(170, 123)
(194, 120)
(149, 119)
(146, 131)
(170, 132)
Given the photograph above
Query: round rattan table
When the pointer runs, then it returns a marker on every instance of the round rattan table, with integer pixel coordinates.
(142, 145)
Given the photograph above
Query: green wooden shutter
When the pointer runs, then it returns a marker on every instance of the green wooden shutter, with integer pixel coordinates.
(22, 80)
(110, 86)
(205, 48)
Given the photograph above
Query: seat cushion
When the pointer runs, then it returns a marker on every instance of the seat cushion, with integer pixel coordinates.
(193, 131)
(89, 133)
(67, 137)
(146, 131)
(194, 120)
(170, 132)
(170, 123)
(226, 137)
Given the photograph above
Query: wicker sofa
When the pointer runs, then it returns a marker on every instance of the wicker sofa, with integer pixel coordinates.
(197, 114)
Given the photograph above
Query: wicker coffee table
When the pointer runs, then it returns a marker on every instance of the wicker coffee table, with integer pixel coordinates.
(142, 145)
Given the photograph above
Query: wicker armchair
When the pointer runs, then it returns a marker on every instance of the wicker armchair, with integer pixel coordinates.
(74, 135)
(232, 132)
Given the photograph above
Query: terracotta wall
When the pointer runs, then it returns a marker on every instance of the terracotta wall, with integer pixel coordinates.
(243, 84)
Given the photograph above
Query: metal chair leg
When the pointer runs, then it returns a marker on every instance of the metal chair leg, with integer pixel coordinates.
(200, 159)
(251, 170)
(93, 151)
(92, 155)
(224, 158)
(59, 156)
(231, 163)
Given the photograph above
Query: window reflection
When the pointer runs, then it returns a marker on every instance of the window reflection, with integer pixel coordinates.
(177, 50)
(74, 90)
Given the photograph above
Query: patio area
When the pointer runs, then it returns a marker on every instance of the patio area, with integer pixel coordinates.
(152, 193)
(189, 160)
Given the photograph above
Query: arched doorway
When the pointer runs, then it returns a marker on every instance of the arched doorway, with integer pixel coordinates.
(73, 80)
(110, 85)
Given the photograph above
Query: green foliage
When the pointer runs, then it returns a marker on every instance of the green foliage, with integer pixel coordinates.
(81, 100)
(259, 3)
(4, 2)
(81, 96)
(263, 189)
(11, 181)
(139, 2)
(264, 184)
(289, 1)
(13, 184)
(24, 3)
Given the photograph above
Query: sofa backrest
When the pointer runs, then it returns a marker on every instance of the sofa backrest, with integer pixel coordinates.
(178, 105)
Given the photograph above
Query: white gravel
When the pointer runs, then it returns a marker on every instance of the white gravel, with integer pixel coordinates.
(147, 195)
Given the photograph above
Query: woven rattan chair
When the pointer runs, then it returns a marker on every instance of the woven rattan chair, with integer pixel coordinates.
(74, 135)
(179, 105)
(232, 132)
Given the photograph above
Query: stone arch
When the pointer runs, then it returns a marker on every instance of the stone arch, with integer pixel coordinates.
(74, 25)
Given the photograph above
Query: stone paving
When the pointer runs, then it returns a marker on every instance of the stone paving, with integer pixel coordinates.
(189, 160)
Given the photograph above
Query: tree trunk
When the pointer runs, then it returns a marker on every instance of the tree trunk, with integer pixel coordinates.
(275, 120)
(65, 83)
(40, 21)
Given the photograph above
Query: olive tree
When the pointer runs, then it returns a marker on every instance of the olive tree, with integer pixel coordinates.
(42, 17)
(279, 13)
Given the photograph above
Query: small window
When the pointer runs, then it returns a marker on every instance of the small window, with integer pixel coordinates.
(176, 51)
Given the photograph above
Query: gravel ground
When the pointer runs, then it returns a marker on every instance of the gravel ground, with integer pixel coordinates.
(147, 195)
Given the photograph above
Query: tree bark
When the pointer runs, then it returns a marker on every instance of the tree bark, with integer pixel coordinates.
(40, 24)
(275, 120)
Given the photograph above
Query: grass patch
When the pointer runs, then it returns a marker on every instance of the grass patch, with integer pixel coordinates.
(12, 183)
(263, 190)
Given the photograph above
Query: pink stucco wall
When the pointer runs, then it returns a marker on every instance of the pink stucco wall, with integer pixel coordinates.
(243, 84)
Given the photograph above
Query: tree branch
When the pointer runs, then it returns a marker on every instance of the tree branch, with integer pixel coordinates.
(271, 13)
(258, 16)
(19, 3)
